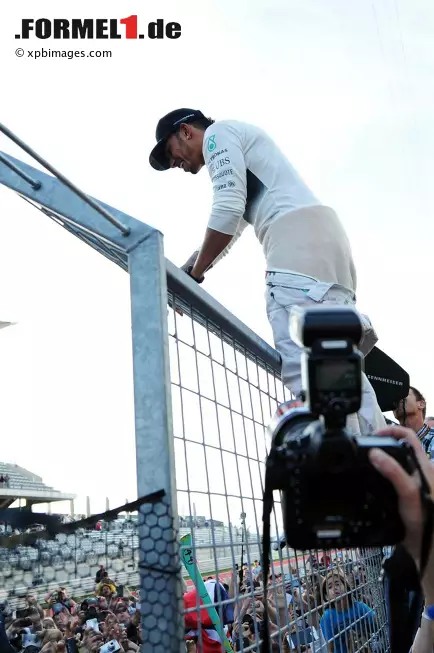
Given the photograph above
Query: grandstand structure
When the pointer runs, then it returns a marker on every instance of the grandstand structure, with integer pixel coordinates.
(27, 487)
(72, 560)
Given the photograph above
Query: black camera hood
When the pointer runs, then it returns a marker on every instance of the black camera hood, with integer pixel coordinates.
(390, 382)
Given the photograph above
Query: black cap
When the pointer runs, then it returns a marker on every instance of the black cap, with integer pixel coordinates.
(168, 125)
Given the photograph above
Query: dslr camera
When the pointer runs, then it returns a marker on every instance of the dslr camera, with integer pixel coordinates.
(332, 497)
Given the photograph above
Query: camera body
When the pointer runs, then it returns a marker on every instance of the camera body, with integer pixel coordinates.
(332, 497)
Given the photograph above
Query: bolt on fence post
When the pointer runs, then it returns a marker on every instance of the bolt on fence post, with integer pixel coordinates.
(160, 578)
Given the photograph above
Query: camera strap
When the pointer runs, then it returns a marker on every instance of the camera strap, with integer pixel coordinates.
(267, 508)
(403, 584)
(404, 579)
(427, 535)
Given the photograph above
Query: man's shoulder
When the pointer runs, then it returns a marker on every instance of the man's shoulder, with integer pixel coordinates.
(231, 127)
(231, 124)
(429, 435)
(225, 133)
(428, 442)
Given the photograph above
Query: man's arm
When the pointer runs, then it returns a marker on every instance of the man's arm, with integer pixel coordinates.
(227, 169)
(193, 258)
(213, 245)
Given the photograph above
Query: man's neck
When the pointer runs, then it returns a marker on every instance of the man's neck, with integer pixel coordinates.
(414, 422)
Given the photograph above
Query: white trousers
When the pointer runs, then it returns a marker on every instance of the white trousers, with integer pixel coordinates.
(285, 290)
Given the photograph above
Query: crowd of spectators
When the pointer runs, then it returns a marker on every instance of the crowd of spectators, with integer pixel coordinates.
(324, 607)
(110, 616)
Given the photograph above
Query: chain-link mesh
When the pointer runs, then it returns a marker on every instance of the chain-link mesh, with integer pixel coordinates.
(223, 398)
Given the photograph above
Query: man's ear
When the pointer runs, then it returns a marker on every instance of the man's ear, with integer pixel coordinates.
(186, 132)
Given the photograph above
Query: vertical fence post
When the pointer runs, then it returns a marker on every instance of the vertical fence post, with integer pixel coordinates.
(160, 579)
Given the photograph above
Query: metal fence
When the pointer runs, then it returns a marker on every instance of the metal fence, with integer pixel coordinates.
(225, 388)
(200, 453)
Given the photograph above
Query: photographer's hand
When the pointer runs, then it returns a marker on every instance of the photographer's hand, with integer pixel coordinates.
(408, 490)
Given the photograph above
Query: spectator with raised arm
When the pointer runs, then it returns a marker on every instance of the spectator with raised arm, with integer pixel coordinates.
(58, 601)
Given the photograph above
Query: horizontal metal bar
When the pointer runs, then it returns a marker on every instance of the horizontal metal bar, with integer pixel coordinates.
(65, 206)
(89, 200)
(191, 294)
(36, 185)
